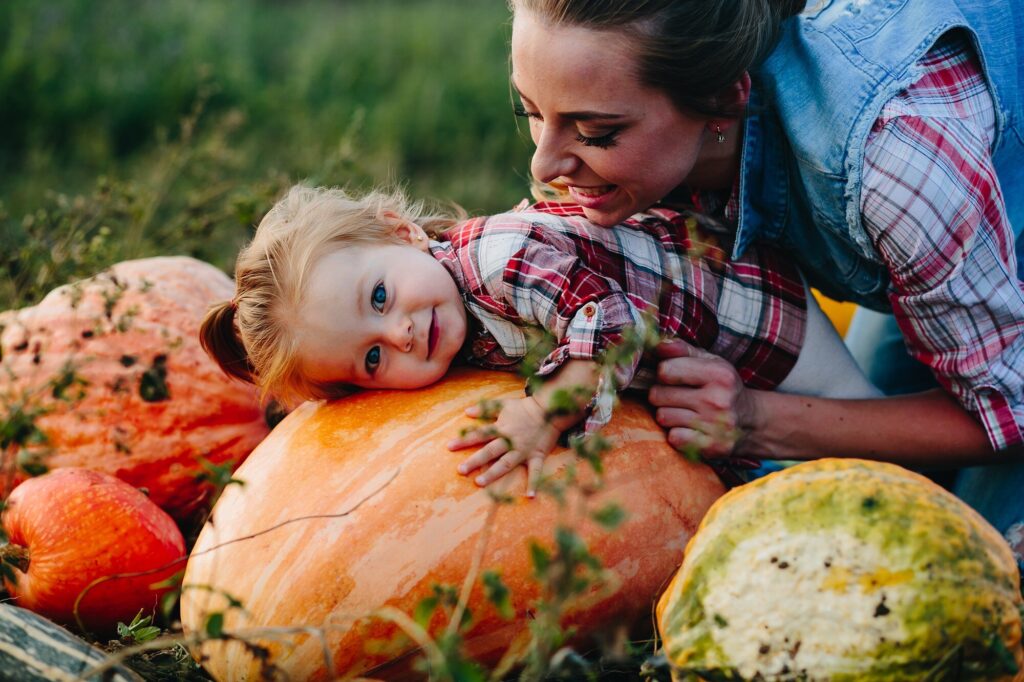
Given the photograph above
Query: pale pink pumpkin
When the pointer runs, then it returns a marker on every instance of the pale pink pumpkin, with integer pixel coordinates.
(142, 400)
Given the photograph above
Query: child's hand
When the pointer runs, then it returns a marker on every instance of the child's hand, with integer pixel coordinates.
(522, 433)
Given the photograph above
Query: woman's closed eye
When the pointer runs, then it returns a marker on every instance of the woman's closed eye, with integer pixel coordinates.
(520, 110)
(600, 141)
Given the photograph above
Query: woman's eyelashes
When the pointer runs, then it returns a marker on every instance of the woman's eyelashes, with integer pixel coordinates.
(601, 141)
(520, 110)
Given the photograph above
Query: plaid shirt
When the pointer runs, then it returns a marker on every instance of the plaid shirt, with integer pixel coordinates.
(932, 205)
(548, 267)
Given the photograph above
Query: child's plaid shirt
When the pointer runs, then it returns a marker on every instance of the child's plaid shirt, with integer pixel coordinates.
(548, 267)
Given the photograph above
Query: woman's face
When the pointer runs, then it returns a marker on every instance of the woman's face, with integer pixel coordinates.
(617, 144)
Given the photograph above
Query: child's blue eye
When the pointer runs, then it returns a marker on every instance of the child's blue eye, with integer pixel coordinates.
(379, 297)
(372, 360)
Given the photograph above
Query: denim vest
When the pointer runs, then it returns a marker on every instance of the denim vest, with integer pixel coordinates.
(812, 106)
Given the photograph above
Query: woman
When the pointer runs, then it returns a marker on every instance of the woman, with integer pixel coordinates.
(883, 146)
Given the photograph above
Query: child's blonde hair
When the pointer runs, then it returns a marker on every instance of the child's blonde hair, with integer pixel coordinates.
(250, 336)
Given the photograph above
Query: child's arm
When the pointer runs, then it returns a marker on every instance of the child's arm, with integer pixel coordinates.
(527, 429)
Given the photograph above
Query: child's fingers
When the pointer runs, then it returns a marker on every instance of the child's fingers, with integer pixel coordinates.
(473, 437)
(534, 469)
(509, 461)
(487, 410)
(488, 453)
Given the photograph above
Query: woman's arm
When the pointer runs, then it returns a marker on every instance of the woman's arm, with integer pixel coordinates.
(702, 403)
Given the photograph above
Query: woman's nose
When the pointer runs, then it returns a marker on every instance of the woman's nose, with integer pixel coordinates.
(552, 159)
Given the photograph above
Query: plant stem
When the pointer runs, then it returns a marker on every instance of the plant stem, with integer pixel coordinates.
(16, 556)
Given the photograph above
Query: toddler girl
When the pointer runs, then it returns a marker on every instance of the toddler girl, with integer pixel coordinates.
(336, 293)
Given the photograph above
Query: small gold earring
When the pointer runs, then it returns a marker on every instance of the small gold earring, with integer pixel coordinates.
(419, 237)
(719, 135)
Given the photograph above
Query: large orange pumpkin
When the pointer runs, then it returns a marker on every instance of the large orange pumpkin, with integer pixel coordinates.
(351, 506)
(114, 367)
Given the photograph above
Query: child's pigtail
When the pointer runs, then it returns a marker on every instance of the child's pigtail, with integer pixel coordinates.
(220, 340)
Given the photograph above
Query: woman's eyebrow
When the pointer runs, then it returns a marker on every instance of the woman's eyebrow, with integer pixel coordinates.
(585, 115)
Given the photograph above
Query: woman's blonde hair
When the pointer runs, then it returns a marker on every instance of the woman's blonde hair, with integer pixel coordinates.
(250, 336)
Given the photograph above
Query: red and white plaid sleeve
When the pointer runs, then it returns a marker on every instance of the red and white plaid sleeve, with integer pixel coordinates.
(933, 207)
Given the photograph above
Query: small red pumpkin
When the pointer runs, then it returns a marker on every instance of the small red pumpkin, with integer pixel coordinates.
(113, 368)
(69, 529)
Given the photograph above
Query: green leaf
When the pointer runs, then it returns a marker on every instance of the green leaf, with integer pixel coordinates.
(424, 610)
(609, 516)
(561, 402)
(498, 594)
(167, 603)
(215, 625)
(147, 633)
(31, 463)
(591, 447)
(540, 558)
(173, 581)
(139, 630)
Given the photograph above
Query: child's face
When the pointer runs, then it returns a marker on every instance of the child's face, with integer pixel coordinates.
(380, 316)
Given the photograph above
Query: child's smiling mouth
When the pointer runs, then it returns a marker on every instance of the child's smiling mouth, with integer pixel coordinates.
(433, 333)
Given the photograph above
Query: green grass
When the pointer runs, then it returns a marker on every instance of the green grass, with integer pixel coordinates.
(137, 128)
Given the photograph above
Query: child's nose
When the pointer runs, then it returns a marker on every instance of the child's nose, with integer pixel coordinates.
(400, 334)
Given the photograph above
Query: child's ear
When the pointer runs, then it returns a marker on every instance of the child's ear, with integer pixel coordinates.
(408, 231)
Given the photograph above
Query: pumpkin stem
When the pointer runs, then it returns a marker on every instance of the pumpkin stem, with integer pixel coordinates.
(16, 556)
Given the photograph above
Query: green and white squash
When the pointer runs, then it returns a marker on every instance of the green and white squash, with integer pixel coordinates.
(844, 570)
(34, 649)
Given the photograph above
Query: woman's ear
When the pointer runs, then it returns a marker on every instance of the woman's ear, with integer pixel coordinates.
(732, 98)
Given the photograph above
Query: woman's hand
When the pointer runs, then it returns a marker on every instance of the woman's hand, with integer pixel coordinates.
(521, 433)
(700, 400)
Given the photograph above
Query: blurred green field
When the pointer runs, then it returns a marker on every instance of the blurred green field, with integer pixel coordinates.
(142, 128)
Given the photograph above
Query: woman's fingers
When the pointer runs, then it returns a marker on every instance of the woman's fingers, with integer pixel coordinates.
(661, 395)
(677, 348)
(707, 445)
(671, 417)
(690, 371)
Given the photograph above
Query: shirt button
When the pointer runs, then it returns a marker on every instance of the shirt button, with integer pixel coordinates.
(589, 310)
